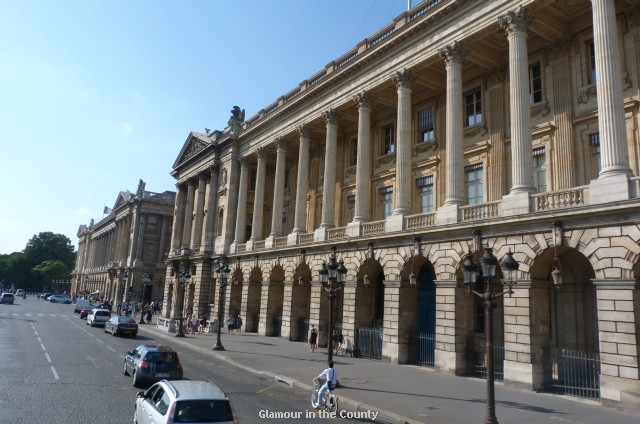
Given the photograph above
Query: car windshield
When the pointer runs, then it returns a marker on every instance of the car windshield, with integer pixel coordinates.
(203, 411)
(162, 357)
(126, 320)
(102, 314)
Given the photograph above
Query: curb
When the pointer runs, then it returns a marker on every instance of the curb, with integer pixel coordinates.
(357, 406)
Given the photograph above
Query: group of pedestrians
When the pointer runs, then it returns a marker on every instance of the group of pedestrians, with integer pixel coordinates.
(336, 337)
(196, 325)
(234, 323)
(146, 310)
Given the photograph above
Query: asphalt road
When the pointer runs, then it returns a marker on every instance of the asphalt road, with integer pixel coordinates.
(56, 369)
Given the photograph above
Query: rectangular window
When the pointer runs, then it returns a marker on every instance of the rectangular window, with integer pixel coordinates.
(150, 253)
(351, 207)
(535, 82)
(287, 174)
(473, 107)
(427, 129)
(591, 61)
(389, 140)
(594, 140)
(152, 224)
(540, 169)
(386, 200)
(474, 182)
(285, 223)
(425, 193)
(353, 155)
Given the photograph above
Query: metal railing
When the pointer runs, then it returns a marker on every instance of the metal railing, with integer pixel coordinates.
(369, 343)
(423, 350)
(575, 373)
(477, 359)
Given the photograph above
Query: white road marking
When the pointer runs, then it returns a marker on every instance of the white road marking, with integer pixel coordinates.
(48, 357)
(100, 341)
(39, 339)
(28, 314)
(43, 348)
(109, 347)
(55, 374)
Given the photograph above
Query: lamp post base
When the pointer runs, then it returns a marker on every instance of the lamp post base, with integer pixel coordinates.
(217, 346)
(179, 335)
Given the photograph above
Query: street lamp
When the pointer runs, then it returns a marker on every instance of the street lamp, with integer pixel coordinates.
(183, 279)
(124, 278)
(223, 274)
(331, 273)
(146, 280)
(470, 271)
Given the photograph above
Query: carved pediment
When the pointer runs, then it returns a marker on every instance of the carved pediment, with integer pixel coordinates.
(123, 198)
(195, 143)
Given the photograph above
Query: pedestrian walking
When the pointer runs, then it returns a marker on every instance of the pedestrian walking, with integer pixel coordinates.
(340, 349)
(149, 314)
(230, 324)
(202, 324)
(313, 339)
(239, 324)
(189, 324)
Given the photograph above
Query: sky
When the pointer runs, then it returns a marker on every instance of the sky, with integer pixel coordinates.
(96, 95)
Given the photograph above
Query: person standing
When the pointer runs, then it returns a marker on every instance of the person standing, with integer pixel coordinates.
(313, 339)
(239, 324)
(230, 324)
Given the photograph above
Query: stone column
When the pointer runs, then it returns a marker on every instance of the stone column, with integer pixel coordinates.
(302, 186)
(450, 317)
(618, 303)
(178, 218)
(495, 121)
(258, 199)
(515, 24)
(211, 206)
(278, 189)
(287, 325)
(363, 165)
(188, 214)
(611, 121)
(452, 56)
(241, 215)
(141, 222)
(330, 157)
(527, 329)
(196, 231)
(402, 191)
(163, 239)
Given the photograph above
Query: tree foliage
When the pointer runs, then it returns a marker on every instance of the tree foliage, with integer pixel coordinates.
(47, 256)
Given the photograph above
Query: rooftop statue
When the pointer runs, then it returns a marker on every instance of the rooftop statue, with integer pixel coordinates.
(237, 116)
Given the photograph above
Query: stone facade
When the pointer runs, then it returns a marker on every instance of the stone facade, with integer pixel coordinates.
(461, 125)
(132, 240)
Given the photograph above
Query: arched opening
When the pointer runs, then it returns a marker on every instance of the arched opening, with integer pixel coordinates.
(254, 295)
(425, 332)
(275, 300)
(369, 309)
(235, 295)
(300, 304)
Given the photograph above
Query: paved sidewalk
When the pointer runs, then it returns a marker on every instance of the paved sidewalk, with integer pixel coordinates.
(400, 393)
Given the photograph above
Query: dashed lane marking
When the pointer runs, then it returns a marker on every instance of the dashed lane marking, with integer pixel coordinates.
(43, 348)
(48, 357)
(55, 374)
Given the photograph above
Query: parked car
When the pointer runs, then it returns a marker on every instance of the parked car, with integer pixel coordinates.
(20, 293)
(151, 363)
(98, 317)
(187, 401)
(85, 311)
(7, 298)
(44, 295)
(82, 304)
(121, 325)
(59, 298)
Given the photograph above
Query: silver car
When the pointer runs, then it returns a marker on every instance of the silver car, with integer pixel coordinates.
(98, 317)
(183, 401)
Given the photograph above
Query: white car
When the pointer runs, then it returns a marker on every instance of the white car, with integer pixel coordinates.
(98, 317)
(59, 298)
(183, 401)
(19, 293)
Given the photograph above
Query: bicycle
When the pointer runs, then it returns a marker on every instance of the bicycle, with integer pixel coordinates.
(330, 400)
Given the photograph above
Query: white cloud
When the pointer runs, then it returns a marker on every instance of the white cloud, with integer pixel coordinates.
(83, 211)
(127, 129)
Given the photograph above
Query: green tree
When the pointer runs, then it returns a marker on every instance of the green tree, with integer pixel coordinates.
(48, 271)
(49, 246)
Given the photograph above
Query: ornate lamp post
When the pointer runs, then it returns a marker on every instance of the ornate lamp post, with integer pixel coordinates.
(124, 279)
(331, 273)
(146, 280)
(223, 274)
(470, 269)
(183, 279)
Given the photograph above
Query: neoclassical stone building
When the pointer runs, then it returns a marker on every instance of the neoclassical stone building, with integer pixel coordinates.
(509, 124)
(132, 240)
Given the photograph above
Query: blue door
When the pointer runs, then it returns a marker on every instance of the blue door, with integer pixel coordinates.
(426, 318)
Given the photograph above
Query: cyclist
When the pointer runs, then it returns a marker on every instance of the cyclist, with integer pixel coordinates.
(330, 376)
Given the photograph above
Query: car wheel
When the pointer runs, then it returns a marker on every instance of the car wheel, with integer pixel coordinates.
(125, 369)
(134, 335)
(113, 332)
(136, 379)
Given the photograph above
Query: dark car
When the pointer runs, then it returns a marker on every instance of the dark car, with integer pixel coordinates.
(151, 363)
(85, 311)
(121, 325)
(7, 298)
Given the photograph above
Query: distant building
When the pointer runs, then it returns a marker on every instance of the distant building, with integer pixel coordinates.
(509, 124)
(115, 253)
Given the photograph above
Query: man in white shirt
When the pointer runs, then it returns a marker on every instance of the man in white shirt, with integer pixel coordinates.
(330, 375)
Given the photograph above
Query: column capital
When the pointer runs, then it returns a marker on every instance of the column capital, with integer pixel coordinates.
(515, 20)
(304, 131)
(364, 99)
(281, 143)
(261, 152)
(331, 116)
(243, 161)
(215, 168)
(452, 53)
(403, 78)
